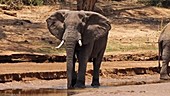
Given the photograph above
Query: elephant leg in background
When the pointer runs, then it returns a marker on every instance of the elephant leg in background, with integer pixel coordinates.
(164, 75)
(96, 69)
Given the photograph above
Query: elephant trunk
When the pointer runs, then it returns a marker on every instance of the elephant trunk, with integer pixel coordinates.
(70, 51)
(70, 39)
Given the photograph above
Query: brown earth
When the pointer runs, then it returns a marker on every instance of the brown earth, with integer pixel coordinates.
(135, 30)
(12, 73)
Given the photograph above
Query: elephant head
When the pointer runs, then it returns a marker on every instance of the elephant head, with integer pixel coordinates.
(76, 29)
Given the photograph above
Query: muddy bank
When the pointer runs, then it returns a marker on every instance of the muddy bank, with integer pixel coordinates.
(31, 57)
(53, 71)
(105, 73)
(132, 57)
(57, 88)
(25, 77)
(31, 76)
(41, 86)
(40, 58)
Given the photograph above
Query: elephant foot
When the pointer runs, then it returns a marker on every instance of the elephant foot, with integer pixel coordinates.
(95, 83)
(73, 82)
(79, 85)
(164, 77)
(69, 87)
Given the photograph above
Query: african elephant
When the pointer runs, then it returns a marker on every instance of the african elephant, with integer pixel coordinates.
(164, 52)
(84, 35)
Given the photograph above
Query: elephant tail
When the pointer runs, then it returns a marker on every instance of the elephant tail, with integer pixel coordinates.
(159, 53)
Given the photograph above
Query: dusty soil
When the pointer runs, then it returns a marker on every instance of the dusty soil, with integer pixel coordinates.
(158, 89)
(39, 67)
(111, 84)
(135, 29)
(108, 73)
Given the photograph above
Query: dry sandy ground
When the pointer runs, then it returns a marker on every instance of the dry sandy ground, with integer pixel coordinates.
(58, 87)
(107, 80)
(134, 29)
(47, 67)
(161, 89)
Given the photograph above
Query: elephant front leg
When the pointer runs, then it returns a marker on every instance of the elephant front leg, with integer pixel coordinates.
(96, 69)
(71, 73)
(72, 78)
(80, 83)
(83, 56)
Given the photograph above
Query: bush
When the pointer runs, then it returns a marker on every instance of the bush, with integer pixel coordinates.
(33, 2)
(159, 3)
(18, 4)
(12, 4)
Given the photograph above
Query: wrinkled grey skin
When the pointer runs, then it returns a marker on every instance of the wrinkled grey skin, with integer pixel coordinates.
(164, 52)
(89, 27)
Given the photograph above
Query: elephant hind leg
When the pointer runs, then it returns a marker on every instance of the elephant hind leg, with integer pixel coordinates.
(164, 74)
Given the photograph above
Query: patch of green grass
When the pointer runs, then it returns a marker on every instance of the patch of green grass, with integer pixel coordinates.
(132, 46)
(125, 45)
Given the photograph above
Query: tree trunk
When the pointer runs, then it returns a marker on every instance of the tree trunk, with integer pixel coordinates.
(87, 5)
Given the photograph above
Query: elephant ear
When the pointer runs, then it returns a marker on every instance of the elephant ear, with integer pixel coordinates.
(97, 26)
(55, 24)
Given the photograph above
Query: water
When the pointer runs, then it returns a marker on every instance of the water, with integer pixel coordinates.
(37, 92)
(57, 91)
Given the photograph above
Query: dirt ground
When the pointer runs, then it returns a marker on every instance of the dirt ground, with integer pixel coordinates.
(108, 78)
(7, 68)
(34, 86)
(135, 29)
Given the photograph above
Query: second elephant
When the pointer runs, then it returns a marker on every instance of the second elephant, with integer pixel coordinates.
(164, 52)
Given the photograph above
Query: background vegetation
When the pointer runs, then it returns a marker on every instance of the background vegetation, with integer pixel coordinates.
(159, 3)
(18, 4)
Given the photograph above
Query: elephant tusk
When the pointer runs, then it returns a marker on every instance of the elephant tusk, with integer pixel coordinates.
(80, 43)
(62, 42)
